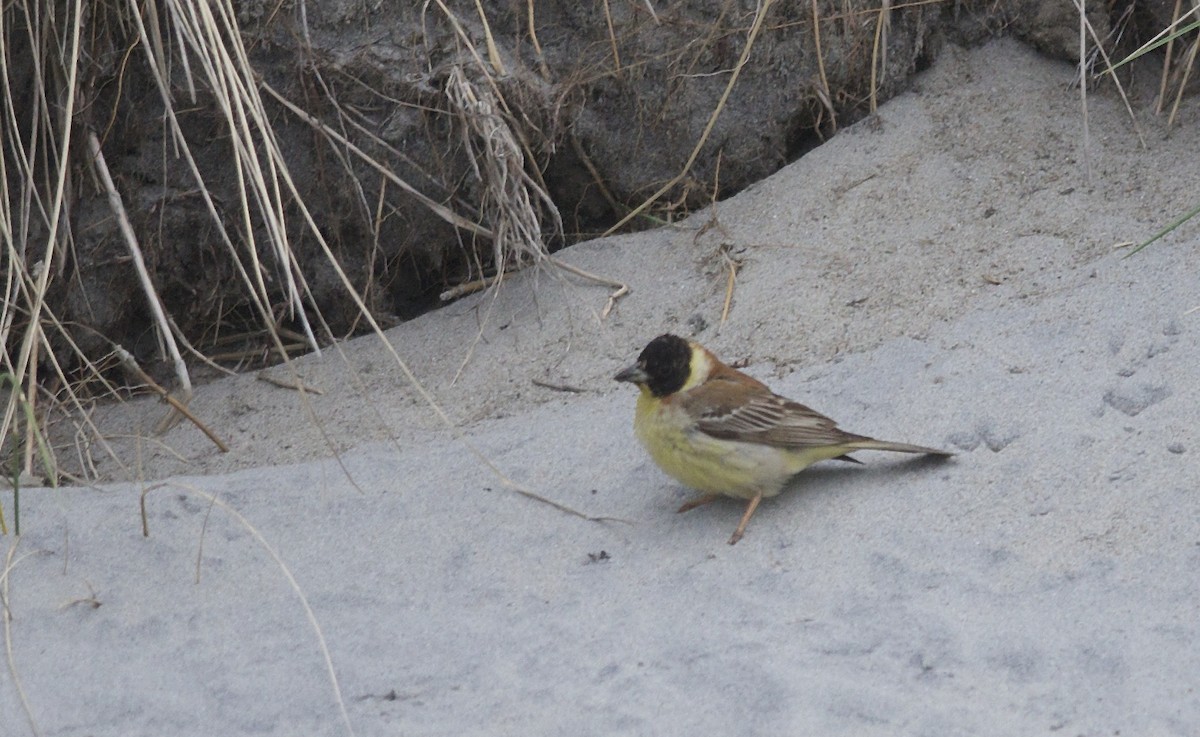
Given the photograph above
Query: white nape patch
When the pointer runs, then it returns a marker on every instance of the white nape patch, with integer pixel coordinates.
(699, 368)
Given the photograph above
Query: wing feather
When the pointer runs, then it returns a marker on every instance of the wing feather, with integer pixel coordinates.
(730, 410)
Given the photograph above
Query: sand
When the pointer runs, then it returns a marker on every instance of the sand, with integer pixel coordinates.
(946, 273)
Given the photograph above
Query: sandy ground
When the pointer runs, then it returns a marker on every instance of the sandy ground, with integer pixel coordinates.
(943, 274)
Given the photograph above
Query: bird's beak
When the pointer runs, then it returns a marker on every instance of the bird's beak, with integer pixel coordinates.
(633, 374)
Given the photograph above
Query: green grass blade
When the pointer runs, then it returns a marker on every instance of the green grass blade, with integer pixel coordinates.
(1170, 226)
(1156, 44)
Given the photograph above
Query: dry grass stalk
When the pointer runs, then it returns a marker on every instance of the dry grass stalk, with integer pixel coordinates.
(1165, 37)
(200, 44)
(566, 388)
(1109, 69)
(597, 178)
(612, 38)
(759, 17)
(10, 562)
(824, 93)
(1087, 146)
(511, 199)
(231, 81)
(1169, 63)
(1167, 56)
(139, 265)
(435, 207)
(620, 289)
(53, 132)
(531, 19)
(879, 51)
(214, 501)
(264, 177)
(295, 383)
(1187, 72)
(733, 267)
(508, 145)
(653, 12)
(493, 50)
(503, 239)
(514, 198)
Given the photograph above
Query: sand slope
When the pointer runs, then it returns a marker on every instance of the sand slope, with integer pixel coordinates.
(943, 274)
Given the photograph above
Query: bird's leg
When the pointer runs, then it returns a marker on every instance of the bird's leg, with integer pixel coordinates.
(741, 528)
(699, 501)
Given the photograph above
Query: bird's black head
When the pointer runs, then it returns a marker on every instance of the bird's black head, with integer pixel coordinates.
(663, 366)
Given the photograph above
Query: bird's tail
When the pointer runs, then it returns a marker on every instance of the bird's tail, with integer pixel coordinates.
(872, 444)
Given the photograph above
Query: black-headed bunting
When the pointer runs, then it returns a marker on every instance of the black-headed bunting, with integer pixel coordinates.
(724, 433)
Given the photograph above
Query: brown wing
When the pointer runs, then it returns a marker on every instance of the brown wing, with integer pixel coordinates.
(731, 410)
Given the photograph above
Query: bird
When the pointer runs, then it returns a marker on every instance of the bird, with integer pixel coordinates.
(724, 433)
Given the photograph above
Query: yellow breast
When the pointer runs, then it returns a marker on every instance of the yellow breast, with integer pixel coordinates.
(705, 463)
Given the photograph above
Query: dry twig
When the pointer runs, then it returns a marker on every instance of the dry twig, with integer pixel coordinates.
(295, 383)
(131, 364)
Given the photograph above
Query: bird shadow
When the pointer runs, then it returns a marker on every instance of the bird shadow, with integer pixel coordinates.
(829, 477)
(825, 480)
(829, 472)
